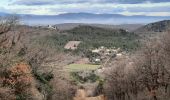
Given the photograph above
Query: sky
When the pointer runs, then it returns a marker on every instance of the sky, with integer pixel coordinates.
(55, 7)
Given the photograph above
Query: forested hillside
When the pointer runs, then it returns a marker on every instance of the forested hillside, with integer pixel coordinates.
(94, 37)
(160, 26)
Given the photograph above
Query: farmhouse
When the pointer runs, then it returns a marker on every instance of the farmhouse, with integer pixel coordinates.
(72, 45)
(95, 51)
(106, 53)
(52, 27)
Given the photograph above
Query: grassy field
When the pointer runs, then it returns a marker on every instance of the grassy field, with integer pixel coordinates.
(81, 67)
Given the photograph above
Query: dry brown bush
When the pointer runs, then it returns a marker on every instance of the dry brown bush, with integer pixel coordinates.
(19, 78)
(7, 94)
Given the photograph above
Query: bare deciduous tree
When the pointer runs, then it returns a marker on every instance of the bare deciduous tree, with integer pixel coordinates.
(149, 67)
(149, 75)
(116, 82)
(7, 22)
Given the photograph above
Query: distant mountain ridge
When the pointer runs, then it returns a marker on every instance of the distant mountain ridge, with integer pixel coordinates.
(90, 18)
(90, 15)
(128, 27)
(3, 14)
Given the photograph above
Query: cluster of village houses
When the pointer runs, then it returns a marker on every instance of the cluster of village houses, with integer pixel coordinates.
(103, 53)
(52, 27)
(106, 53)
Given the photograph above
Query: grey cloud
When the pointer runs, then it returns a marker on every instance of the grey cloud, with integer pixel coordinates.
(52, 2)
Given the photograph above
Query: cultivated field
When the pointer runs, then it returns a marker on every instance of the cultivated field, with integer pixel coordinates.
(81, 67)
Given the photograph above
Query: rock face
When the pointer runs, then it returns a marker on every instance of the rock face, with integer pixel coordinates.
(9, 39)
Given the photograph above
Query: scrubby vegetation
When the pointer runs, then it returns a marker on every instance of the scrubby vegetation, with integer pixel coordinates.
(78, 78)
(22, 74)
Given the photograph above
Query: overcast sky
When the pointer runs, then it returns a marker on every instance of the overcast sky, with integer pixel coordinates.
(54, 7)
